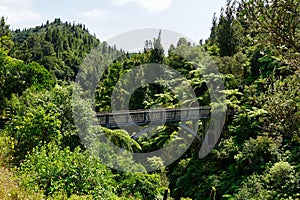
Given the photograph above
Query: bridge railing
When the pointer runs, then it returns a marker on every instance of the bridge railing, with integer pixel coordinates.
(144, 117)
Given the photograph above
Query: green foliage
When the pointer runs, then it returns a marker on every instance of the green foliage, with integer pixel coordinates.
(106, 86)
(16, 77)
(53, 170)
(40, 117)
(232, 100)
(5, 36)
(157, 52)
(121, 139)
(10, 190)
(227, 33)
(33, 128)
(276, 26)
(255, 154)
(59, 47)
(271, 184)
(62, 171)
(255, 46)
(281, 101)
(140, 186)
(6, 149)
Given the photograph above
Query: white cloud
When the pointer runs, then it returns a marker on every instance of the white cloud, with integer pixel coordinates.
(100, 14)
(19, 12)
(152, 5)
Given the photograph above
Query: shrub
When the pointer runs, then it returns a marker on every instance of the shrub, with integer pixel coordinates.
(140, 186)
(54, 170)
(278, 182)
(41, 116)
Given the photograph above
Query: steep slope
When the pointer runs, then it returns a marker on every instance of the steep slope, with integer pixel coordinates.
(59, 47)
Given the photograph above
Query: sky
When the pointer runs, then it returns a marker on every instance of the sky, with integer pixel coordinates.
(107, 18)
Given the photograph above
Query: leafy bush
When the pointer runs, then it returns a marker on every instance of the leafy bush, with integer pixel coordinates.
(54, 170)
(41, 117)
(257, 153)
(140, 186)
(16, 77)
(279, 182)
(6, 147)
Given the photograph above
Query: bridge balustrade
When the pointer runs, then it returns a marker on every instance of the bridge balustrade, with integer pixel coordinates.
(144, 117)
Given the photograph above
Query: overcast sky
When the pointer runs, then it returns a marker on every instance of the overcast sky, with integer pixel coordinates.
(107, 18)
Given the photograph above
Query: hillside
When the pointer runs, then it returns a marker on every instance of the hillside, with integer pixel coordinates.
(59, 47)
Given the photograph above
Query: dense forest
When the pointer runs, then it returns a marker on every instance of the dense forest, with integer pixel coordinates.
(255, 45)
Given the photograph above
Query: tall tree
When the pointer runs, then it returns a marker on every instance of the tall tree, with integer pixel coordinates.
(157, 52)
(5, 35)
(276, 26)
(229, 31)
(4, 28)
(213, 30)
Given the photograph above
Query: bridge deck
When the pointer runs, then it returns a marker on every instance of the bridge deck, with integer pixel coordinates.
(145, 117)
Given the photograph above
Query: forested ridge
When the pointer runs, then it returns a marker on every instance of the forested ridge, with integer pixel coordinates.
(255, 45)
(59, 47)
